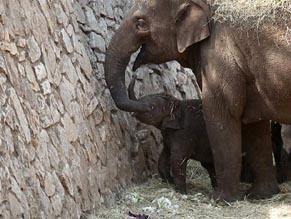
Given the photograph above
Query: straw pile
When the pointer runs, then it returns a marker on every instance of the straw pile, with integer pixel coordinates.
(252, 13)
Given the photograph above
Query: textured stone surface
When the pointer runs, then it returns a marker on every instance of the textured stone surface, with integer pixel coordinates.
(64, 146)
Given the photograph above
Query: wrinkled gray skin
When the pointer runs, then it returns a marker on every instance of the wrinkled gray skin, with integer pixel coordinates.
(245, 78)
(281, 140)
(184, 135)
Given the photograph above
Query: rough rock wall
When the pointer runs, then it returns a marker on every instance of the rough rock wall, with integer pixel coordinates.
(64, 147)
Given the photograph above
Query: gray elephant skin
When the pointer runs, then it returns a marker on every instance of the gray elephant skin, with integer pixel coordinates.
(184, 135)
(245, 78)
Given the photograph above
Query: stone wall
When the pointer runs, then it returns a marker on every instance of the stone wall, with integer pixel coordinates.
(64, 147)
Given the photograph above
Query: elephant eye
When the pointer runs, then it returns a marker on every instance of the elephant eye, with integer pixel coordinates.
(141, 25)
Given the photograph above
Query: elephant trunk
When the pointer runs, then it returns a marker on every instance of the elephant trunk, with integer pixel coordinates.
(116, 61)
(130, 89)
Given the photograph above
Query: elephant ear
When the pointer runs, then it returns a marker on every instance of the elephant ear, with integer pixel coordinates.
(192, 23)
(175, 120)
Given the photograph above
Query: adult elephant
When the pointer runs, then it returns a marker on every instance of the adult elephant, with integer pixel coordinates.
(246, 81)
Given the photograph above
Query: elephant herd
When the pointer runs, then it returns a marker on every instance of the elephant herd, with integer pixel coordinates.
(245, 79)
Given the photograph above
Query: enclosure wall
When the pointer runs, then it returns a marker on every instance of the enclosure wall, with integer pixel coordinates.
(64, 146)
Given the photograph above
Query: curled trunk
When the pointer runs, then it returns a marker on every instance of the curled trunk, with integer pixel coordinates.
(116, 61)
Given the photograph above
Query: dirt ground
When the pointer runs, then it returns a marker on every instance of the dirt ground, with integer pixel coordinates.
(158, 200)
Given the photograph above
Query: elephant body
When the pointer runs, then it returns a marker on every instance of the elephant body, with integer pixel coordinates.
(244, 87)
(245, 76)
(252, 87)
(182, 144)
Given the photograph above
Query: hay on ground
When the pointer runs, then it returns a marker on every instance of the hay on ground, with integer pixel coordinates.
(160, 201)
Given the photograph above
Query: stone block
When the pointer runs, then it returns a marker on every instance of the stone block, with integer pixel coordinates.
(34, 51)
(60, 14)
(67, 93)
(46, 87)
(91, 20)
(15, 205)
(24, 127)
(49, 59)
(40, 71)
(49, 186)
(3, 67)
(31, 76)
(70, 128)
(97, 42)
(81, 18)
(67, 41)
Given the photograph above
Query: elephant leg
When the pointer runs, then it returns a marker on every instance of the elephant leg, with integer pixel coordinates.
(224, 132)
(226, 150)
(285, 166)
(257, 138)
(247, 175)
(164, 166)
(178, 168)
(223, 102)
(211, 172)
(281, 177)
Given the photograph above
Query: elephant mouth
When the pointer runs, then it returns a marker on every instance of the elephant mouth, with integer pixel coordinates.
(140, 59)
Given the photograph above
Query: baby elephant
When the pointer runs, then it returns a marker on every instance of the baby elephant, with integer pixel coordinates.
(184, 134)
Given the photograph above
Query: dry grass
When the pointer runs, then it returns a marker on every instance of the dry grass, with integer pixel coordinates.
(160, 201)
(252, 13)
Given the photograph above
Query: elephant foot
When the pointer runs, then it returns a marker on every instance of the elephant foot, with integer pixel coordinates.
(263, 190)
(166, 177)
(168, 180)
(180, 186)
(181, 189)
(283, 174)
(226, 196)
(281, 178)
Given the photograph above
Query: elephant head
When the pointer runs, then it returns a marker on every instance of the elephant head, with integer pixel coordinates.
(165, 110)
(163, 30)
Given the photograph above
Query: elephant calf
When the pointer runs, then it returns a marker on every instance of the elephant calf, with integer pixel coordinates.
(184, 134)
